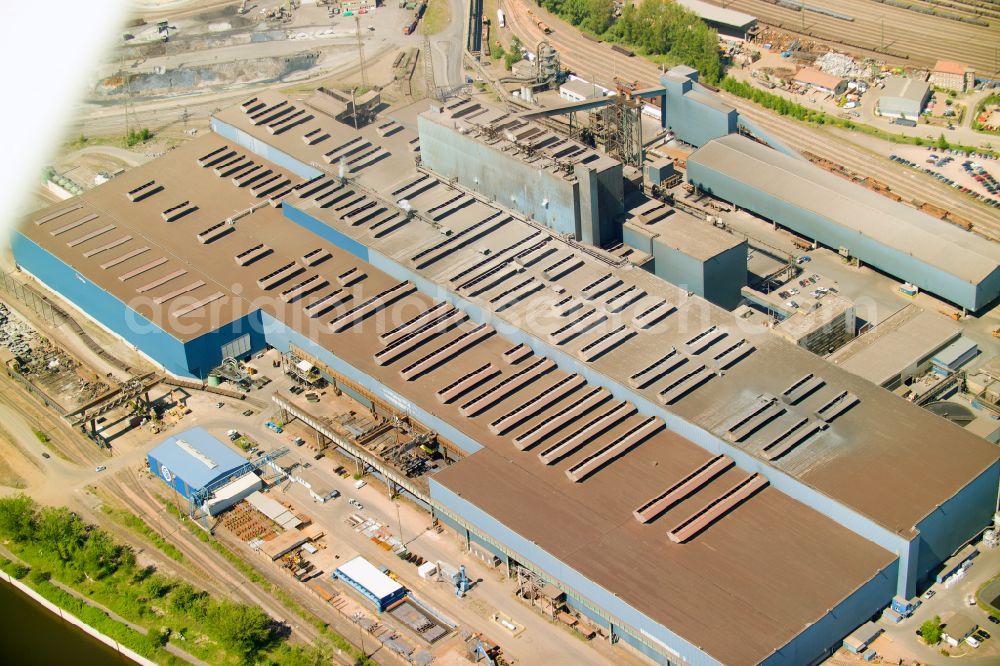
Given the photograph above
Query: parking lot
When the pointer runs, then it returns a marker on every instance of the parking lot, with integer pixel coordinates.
(901, 641)
(975, 175)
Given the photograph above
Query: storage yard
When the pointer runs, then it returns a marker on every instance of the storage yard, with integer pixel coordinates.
(875, 28)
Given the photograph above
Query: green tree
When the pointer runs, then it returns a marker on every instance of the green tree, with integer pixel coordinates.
(157, 587)
(941, 143)
(600, 16)
(242, 628)
(186, 599)
(101, 556)
(61, 531)
(17, 517)
(930, 631)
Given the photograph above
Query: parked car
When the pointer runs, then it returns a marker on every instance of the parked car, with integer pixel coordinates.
(993, 619)
(982, 635)
(333, 494)
(247, 412)
(100, 468)
(971, 640)
(274, 426)
(232, 435)
(45, 455)
(929, 593)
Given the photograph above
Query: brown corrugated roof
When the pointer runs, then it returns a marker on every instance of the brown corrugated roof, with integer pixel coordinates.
(950, 67)
(771, 567)
(815, 77)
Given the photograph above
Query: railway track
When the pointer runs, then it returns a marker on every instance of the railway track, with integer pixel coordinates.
(580, 54)
(877, 24)
(217, 575)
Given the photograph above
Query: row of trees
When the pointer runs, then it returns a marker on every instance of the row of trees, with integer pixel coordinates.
(58, 543)
(787, 107)
(654, 27)
(777, 103)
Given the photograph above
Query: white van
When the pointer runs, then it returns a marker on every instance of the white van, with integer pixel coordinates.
(360, 483)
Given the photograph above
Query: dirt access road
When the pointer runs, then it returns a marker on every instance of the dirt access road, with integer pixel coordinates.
(583, 56)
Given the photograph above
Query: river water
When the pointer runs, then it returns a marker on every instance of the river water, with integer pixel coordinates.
(30, 635)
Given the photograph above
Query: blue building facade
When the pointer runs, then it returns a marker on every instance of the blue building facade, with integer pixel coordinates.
(937, 280)
(193, 358)
(692, 113)
(182, 461)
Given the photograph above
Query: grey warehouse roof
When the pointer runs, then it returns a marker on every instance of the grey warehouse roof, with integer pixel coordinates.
(857, 209)
(911, 89)
(582, 88)
(710, 12)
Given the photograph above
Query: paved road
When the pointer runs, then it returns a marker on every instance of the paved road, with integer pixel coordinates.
(541, 642)
(448, 45)
(901, 638)
(592, 59)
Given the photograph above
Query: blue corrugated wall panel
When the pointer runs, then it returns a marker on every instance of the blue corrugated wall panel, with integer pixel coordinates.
(555, 570)
(205, 352)
(258, 147)
(831, 234)
(325, 232)
(950, 526)
(546, 196)
(101, 306)
(825, 635)
(175, 481)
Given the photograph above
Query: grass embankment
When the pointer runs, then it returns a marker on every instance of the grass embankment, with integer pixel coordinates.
(57, 545)
(140, 527)
(47, 443)
(437, 16)
(786, 107)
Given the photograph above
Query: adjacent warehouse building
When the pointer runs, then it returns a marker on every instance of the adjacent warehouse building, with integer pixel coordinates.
(578, 90)
(689, 252)
(563, 184)
(898, 349)
(616, 429)
(903, 98)
(726, 21)
(194, 462)
(366, 579)
(941, 258)
(820, 80)
(953, 75)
